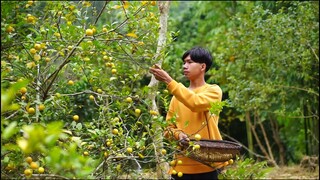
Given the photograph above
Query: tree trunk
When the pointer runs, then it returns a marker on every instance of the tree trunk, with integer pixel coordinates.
(265, 137)
(162, 167)
(249, 134)
(261, 146)
(276, 137)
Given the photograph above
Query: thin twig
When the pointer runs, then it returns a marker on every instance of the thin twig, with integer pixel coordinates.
(229, 137)
(104, 6)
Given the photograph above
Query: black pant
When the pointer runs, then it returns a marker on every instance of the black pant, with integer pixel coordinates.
(202, 176)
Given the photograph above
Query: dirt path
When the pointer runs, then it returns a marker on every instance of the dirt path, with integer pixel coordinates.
(293, 172)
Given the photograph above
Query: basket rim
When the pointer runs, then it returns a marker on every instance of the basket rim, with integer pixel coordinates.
(235, 145)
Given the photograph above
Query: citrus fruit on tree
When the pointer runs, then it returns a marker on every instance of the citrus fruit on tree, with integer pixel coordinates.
(31, 110)
(28, 159)
(34, 165)
(28, 172)
(41, 170)
(129, 150)
(197, 137)
(23, 90)
(75, 117)
(115, 131)
(89, 32)
(129, 99)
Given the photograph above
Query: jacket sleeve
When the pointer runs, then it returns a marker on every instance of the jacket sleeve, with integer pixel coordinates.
(196, 102)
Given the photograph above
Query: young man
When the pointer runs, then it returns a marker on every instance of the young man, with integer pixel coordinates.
(189, 107)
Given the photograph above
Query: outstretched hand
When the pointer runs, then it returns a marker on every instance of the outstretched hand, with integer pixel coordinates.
(160, 74)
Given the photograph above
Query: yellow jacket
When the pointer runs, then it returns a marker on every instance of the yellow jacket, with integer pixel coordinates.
(189, 108)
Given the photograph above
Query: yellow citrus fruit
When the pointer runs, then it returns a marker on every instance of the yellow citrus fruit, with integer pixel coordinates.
(180, 174)
(115, 131)
(31, 19)
(129, 150)
(105, 57)
(99, 91)
(91, 97)
(47, 59)
(31, 110)
(94, 30)
(56, 34)
(105, 154)
(37, 46)
(33, 50)
(34, 165)
(9, 29)
(179, 162)
(41, 107)
(152, 112)
(70, 47)
(70, 82)
(58, 95)
(116, 119)
(36, 57)
(41, 170)
(104, 29)
(137, 111)
(23, 90)
(113, 71)
(86, 153)
(89, 32)
(75, 117)
(163, 151)
(173, 163)
(196, 146)
(129, 99)
(29, 159)
(174, 172)
(230, 161)
(23, 97)
(197, 137)
(28, 172)
(10, 166)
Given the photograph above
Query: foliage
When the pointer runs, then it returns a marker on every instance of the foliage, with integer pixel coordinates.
(261, 59)
(246, 168)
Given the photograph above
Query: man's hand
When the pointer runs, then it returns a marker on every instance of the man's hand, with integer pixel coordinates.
(160, 74)
(183, 137)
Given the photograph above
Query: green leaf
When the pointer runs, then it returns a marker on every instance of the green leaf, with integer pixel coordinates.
(10, 130)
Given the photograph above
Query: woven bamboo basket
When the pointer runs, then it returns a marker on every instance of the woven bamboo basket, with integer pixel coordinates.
(211, 151)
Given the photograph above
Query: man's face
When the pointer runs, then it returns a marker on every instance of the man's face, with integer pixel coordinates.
(191, 69)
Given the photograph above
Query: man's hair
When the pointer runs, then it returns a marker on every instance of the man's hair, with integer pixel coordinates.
(199, 55)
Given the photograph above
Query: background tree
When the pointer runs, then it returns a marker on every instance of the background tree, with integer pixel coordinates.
(266, 63)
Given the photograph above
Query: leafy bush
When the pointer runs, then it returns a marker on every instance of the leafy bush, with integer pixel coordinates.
(246, 168)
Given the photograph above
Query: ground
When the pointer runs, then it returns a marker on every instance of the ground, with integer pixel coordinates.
(293, 172)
